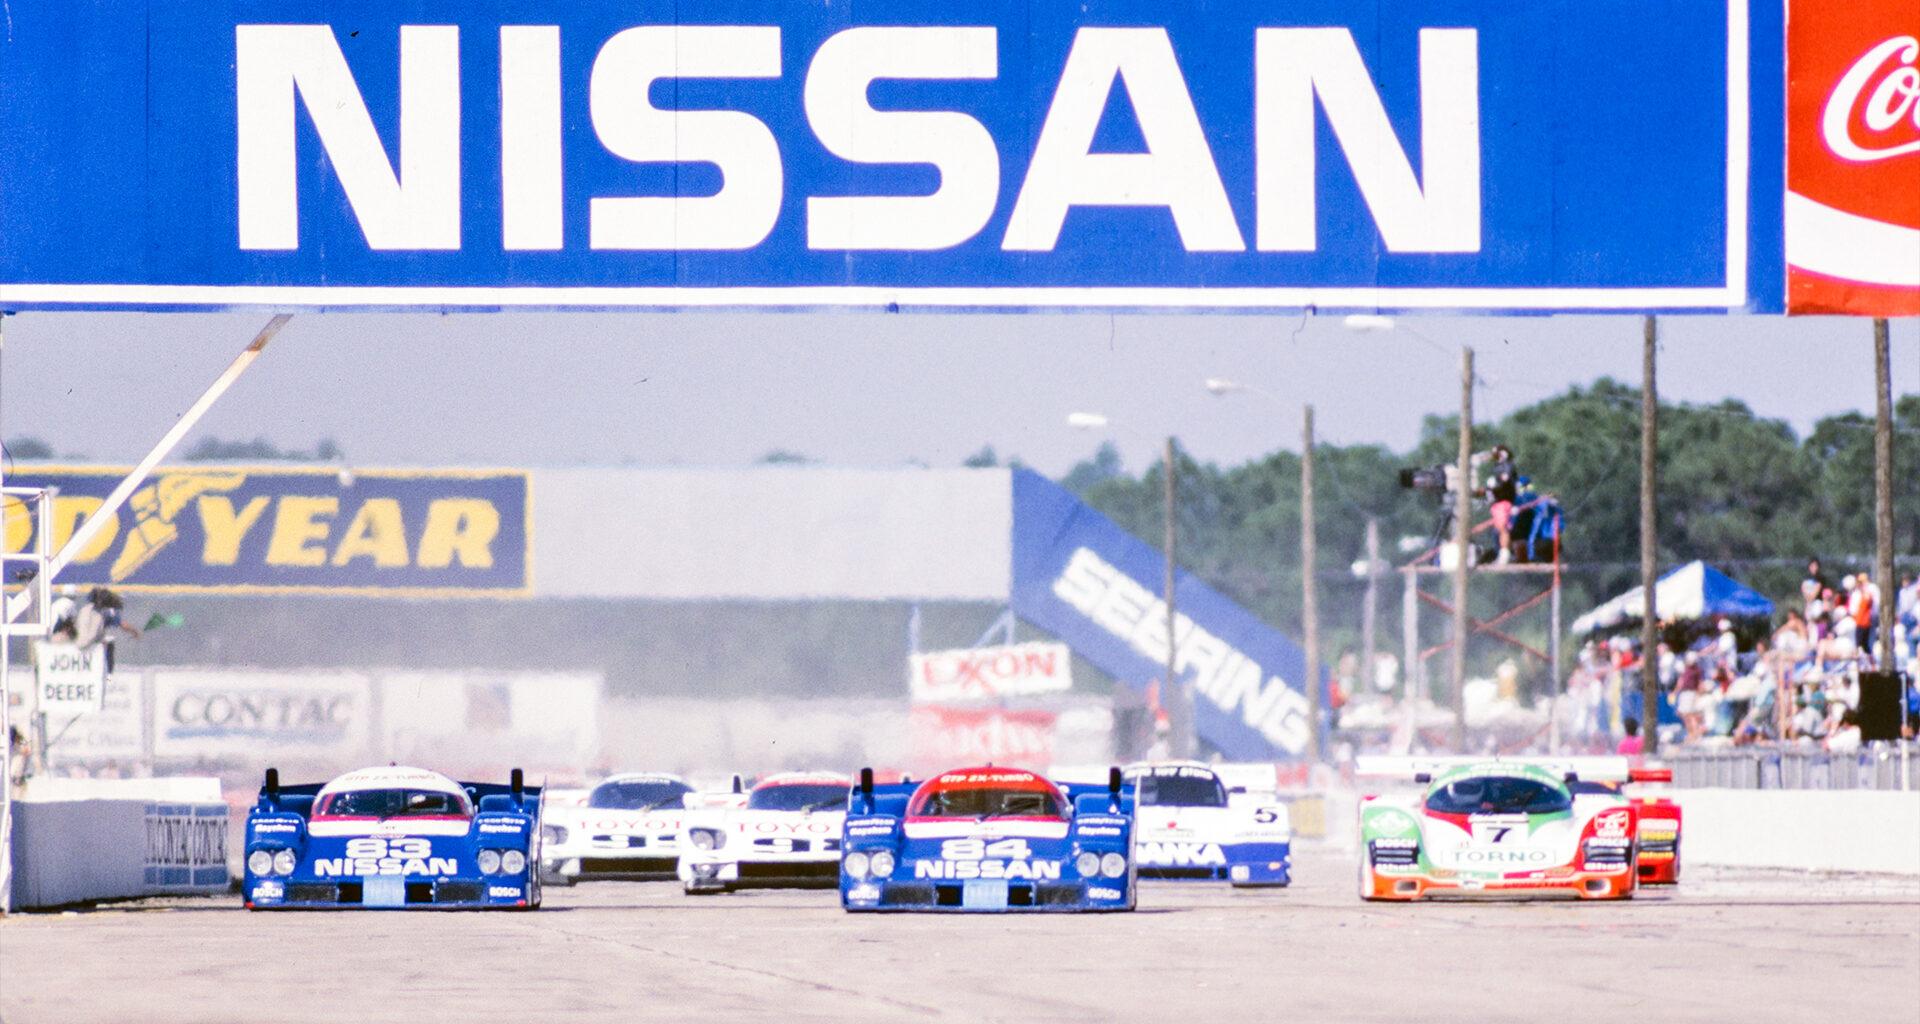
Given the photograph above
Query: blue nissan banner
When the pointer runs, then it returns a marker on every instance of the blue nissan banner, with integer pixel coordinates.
(999, 154)
(239, 529)
(1096, 587)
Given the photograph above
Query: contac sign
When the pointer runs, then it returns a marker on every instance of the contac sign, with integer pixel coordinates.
(247, 528)
(1470, 154)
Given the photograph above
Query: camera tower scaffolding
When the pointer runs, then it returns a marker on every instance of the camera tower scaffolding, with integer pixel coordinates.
(1414, 595)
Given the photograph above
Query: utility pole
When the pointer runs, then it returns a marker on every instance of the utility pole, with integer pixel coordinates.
(1369, 613)
(1649, 538)
(1309, 591)
(1463, 535)
(1887, 598)
(1173, 694)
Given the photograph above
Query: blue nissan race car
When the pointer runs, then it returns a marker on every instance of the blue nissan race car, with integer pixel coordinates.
(988, 839)
(393, 838)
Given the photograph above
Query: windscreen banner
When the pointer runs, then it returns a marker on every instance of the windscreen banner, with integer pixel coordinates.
(1082, 578)
(254, 529)
(1002, 154)
(1853, 157)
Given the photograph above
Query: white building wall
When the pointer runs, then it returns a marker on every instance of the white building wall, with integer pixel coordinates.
(773, 533)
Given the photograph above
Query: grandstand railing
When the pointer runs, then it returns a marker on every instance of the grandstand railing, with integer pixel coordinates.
(1879, 765)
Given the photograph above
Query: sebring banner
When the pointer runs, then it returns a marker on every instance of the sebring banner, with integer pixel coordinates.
(1443, 154)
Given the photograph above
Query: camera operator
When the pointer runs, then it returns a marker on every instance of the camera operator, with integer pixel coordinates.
(1502, 489)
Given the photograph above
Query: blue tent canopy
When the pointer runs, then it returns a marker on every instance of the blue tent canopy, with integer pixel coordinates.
(1693, 591)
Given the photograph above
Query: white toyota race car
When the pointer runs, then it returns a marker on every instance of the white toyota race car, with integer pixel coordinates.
(787, 835)
(629, 828)
(1189, 824)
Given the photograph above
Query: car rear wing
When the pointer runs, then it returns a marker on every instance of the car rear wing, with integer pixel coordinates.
(870, 797)
(1584, 769)
(281, 799)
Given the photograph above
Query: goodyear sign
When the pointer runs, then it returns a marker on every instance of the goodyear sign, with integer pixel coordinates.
(249, 528)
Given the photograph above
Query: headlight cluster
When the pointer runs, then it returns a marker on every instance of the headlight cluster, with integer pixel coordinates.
(271, 862)
(1093, 865)
(878, 864)
(498, 862)
(706, 838)
(555, 834)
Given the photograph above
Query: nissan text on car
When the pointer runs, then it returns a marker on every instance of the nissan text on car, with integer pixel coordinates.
(988, 839)
(392, 838)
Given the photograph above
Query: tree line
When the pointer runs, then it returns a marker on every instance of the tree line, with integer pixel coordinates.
(1737, 490)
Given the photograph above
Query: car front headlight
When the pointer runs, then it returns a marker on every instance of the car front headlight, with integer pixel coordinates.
(513, 862)
(1088, 864)
(881, 863)
(555, 834)
(857, 864)
(1113, 865)
(489, 862)
(283, 862)
(707, 838)
(260, 862)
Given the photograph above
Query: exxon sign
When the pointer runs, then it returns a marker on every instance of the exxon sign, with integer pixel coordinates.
(1017, 154)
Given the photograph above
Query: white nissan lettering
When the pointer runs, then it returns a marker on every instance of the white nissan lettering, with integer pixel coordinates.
(410, 199)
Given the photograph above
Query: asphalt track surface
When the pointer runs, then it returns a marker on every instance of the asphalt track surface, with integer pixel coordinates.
(1728, 946)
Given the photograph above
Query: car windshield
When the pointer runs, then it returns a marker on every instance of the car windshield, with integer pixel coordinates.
(1498, 794)
(798, 797)
(987, 802)
(393, 803)
(1180, 791)
(638, 794)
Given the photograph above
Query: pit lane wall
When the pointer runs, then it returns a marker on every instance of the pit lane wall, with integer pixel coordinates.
(81, 841)
(1866, 831)
(1808, 829)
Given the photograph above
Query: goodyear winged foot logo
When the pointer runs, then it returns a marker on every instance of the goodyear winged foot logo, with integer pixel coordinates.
(155, 508)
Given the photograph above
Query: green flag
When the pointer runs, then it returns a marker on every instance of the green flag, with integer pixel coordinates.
(171, 620)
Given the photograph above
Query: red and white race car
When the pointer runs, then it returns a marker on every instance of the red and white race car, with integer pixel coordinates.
(1505, 827)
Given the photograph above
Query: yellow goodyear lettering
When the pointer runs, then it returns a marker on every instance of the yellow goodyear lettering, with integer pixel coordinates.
(377, 532)
(68, 513)
(461, 528)
(224, 529)
(297, 524)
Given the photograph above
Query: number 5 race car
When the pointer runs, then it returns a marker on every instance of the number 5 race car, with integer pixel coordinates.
(394, 838)
(1189, 825)
(988, 839)
(787, 836)
(1486, 828)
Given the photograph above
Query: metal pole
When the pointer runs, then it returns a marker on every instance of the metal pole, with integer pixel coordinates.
(1411, 684)
(111, 506)
(1887, 599)
(1553, 663)
(1309, 591)
(1369, 612)
(1463, 534)
(1649, 537)
(6, 699)
(1178, 697)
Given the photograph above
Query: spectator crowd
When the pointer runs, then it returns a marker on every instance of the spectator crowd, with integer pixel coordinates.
(1727, 682)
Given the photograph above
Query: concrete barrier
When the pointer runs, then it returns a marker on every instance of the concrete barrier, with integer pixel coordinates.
(1801, 830)
(1812, 830)
(118, 840)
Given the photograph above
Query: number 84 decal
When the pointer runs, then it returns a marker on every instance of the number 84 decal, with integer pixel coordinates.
(980, 849)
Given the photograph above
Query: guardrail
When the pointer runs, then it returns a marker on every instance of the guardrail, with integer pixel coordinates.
(1881, 766)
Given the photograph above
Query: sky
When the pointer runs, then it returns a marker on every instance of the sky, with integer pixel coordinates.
(871, 389)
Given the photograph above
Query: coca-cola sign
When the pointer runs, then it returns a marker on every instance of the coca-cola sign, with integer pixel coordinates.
(1853, 157)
